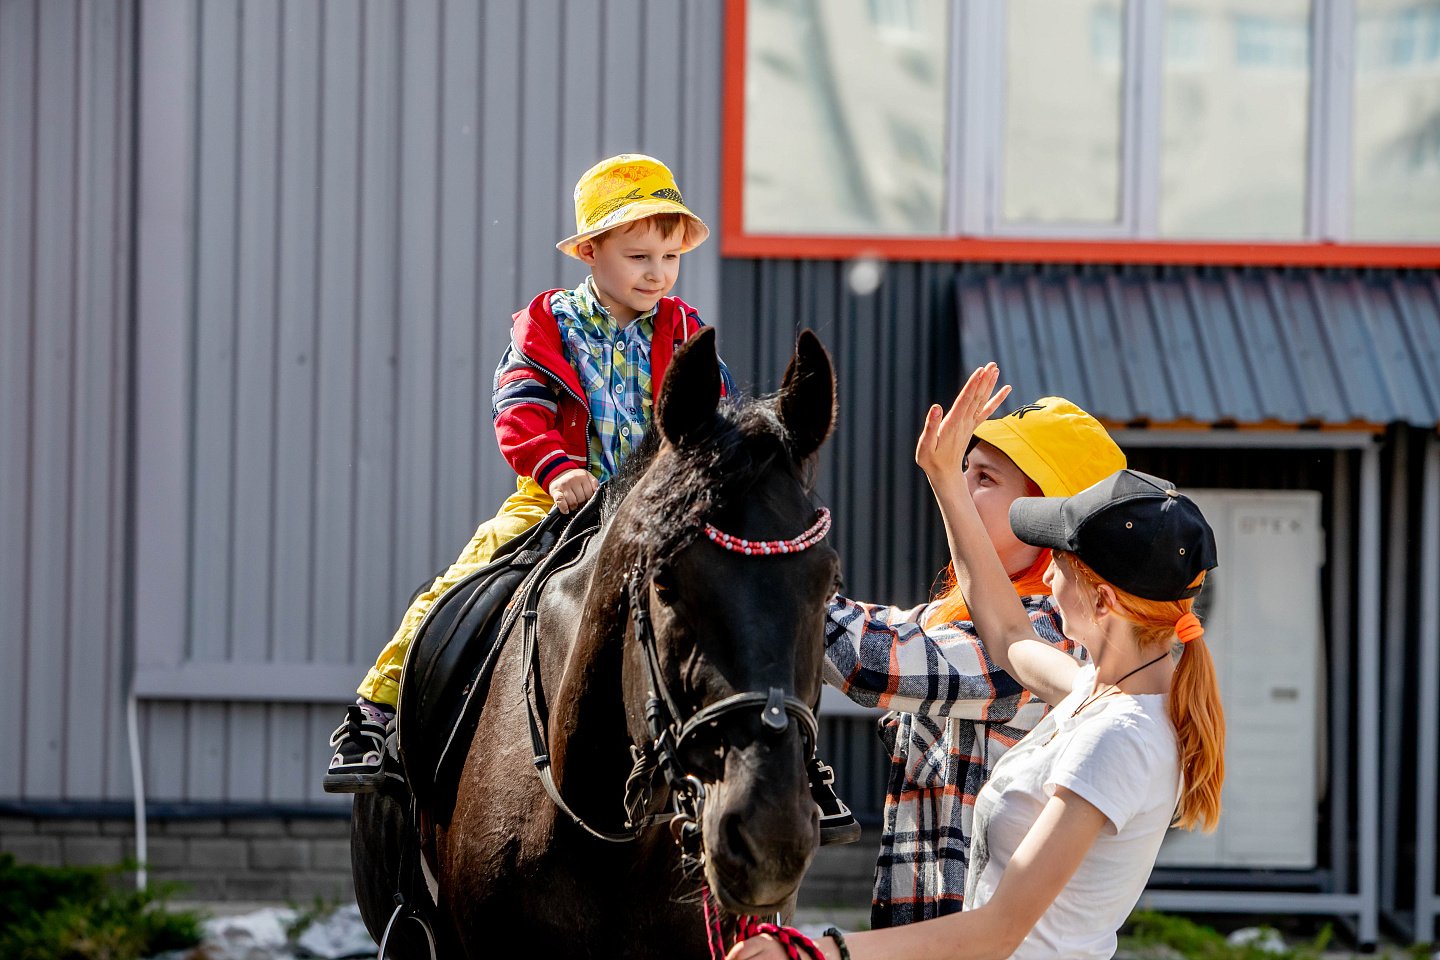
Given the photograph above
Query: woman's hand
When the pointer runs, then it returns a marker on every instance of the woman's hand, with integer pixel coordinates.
(940, 451)
(766, 947)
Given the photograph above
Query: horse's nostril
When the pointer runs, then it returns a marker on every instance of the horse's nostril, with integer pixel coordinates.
(735, 839)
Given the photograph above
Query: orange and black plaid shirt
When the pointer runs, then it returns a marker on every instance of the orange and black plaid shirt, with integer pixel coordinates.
(953, 716)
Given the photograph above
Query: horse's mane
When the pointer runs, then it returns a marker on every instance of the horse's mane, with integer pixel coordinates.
(743, 442)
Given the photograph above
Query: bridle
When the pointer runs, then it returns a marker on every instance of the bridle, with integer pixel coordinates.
(668, 733)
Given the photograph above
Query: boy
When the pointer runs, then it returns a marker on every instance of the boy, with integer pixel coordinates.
(573, 395)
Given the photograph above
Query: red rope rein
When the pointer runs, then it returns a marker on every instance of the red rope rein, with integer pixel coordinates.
(797, 946)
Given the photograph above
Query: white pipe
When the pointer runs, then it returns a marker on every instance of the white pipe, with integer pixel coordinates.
(137, 781)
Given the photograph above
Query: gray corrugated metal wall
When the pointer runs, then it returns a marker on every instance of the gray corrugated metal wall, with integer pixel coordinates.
(65, 112)
(337, 207)
(373, 188)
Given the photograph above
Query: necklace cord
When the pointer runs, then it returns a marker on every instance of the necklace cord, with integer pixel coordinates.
(1115, 687)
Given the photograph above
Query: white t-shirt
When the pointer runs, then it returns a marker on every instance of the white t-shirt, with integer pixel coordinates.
(1120, 755)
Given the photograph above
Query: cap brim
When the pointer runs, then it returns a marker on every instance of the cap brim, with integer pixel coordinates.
(1040, 522)
(632, 212)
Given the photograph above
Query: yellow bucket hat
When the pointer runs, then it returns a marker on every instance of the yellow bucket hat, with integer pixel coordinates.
(1056, 444)
(622, 190)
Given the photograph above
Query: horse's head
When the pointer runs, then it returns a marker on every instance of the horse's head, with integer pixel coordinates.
(738, 636)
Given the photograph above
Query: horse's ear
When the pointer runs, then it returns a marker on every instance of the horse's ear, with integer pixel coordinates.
(807, 396)
(691, 390)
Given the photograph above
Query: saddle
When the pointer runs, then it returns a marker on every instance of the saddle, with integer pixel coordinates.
(452, 656)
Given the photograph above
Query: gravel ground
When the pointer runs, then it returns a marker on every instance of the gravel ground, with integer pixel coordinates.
(260, 931)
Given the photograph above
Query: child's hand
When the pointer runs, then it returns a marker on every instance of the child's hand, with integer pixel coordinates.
(940, 451)
(571, 489)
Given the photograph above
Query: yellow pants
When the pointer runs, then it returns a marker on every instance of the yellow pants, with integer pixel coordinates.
(521, 510)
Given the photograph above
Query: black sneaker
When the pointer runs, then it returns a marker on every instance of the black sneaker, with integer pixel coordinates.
(837, 823)
(358, 765)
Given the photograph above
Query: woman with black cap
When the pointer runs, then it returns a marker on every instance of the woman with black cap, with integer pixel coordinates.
(1067, 829)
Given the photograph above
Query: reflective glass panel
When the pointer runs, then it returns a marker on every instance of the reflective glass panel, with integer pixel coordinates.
(1397, 120)
(1235, 119)
(1064, 69)
(845, 116)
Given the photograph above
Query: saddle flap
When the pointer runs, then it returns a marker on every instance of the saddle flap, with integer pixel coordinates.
(448, 667)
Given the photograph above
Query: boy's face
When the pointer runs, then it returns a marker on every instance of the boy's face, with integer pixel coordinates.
(633, 266)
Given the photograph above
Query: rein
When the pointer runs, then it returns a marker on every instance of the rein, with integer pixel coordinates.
(669, 734)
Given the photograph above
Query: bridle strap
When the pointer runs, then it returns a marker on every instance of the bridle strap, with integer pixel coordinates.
(774, 708)
(662, 714)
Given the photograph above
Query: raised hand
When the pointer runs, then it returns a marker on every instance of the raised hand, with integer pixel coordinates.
(940, 451)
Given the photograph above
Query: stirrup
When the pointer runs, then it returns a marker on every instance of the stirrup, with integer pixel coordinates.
(837, 823)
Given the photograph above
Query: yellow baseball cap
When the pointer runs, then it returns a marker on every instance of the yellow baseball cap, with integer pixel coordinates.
(621, 190)
(1056, 444)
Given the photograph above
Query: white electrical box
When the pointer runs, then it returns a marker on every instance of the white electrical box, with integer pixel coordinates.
(1261, 609)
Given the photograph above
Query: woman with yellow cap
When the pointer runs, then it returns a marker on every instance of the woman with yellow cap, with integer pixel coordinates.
(954, 714)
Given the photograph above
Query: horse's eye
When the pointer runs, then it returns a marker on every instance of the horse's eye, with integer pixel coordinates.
(664, 582)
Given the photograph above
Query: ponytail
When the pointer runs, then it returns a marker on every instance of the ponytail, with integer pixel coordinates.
(1194, 700)
(1200, 730)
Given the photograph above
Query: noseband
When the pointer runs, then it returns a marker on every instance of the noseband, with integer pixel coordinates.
(668, 733)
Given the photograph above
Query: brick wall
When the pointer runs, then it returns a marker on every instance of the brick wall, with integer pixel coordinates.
(296, 859)
(278, 860)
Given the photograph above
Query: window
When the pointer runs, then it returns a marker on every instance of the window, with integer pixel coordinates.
(1235, 119)
(1063, 101)
(1396, 173)
(845, 107)
(1264, 131)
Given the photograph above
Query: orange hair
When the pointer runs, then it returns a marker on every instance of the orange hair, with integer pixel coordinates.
(1194, 696)
(950, 606)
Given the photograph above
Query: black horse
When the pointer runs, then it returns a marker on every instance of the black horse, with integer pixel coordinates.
(679, 653)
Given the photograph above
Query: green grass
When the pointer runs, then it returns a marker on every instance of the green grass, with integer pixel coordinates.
(70, 913)
(1162, 934)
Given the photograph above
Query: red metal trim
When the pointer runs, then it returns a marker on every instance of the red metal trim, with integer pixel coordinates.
(732, 134)
(735, 242)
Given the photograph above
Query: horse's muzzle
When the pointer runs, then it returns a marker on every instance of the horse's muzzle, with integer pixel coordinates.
(761, 827)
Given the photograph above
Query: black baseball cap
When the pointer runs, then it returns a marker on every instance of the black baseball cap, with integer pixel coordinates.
(1135, 530)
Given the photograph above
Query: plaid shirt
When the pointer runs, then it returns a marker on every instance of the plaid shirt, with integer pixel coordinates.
(953, 716)
(613, 363)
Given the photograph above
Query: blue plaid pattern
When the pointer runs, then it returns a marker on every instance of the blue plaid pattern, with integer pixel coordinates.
(613, 363)
(953, 715)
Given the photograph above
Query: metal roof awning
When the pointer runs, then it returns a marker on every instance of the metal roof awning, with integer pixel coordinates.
(1188, 347)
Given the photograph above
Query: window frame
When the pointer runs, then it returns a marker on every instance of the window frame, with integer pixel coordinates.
(974, 189)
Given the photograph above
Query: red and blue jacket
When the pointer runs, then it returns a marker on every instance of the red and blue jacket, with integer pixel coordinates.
(542, 418)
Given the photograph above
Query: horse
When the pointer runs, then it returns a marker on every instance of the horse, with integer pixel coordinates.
(678, 655)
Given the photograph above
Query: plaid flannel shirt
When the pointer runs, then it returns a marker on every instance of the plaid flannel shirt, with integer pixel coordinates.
(953, 716)
(613, 363)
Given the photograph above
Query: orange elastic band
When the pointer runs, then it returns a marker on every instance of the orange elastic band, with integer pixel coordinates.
(1188, 628)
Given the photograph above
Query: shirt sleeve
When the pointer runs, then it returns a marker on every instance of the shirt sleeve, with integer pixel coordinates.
(885, 657)
(1102, 763)
(526, 413)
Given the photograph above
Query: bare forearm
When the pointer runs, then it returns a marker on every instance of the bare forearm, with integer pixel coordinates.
(1001, 621)
(977, 935)
(999, 616)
